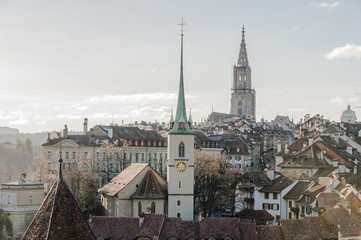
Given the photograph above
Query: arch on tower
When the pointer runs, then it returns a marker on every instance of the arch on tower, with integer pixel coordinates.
(139, 208)
(181, 150)
(239, 107)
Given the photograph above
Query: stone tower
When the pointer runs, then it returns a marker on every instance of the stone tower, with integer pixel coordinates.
(243, 98)
(180, 166)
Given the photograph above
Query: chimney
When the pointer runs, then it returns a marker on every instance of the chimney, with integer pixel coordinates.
(65, 131)
(349, 150)
(48, 140)
(335, 162)
(85, 126)
(199, 215)
(279, 146)
(286, 148)
(341, 167)
(270, 173)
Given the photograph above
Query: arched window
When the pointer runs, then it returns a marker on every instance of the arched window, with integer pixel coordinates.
(178, 202)
(240, 108)
(139, 208)
(181, 150)
(152, 208)
(178, 215)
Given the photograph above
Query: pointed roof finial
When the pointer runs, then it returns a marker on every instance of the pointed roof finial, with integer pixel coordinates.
(181, 124)
(242, 58)
(171, 117)
(182, 25)
(60, 166)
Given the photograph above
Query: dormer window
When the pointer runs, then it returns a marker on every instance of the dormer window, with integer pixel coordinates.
(181, 125)
(181, 150)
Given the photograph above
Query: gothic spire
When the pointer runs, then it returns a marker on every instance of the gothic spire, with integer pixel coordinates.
(242, 58)
(181, 124)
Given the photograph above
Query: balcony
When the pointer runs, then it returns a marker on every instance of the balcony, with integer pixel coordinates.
(249, 200)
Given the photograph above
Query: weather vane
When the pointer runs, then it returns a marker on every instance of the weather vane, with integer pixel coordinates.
(182, 25)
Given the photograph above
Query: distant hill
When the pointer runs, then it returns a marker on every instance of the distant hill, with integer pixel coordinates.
(7, 130)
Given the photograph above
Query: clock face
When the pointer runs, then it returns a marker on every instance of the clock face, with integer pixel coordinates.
(181, 166)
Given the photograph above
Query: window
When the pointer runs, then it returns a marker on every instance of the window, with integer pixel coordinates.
(97, 154)
(30, 199)
(9, 200)
(274, 195)
(266, 195)
(136, 157)
(290, 215)
(181, 150)
(178, 215)
(85, 154)
(290, 204)
(180, 184)
(178, 203)
(67, 155)
(139, 208)
(142, 157)
(130, 156)
(152, 208)
(160, 156)
(49, 154)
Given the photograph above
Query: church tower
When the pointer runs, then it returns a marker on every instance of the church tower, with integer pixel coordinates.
(243, 98)
(180, 166)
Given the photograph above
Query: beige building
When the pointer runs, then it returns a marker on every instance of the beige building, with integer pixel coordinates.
(105, 150)
(135, 190)
(19, 202)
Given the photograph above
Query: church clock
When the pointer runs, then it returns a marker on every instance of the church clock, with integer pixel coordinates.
(181, 166)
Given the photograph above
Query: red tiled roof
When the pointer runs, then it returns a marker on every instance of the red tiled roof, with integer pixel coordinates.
(59, 217)
(115, 227)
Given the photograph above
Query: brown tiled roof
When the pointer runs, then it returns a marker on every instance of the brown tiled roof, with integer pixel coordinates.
(255, 214)
(150, 187)
(306, 158)
(152, 226)
(159, 226)
(115, 227)
(284, 180)
(265, 232)
(297, 229)
(260, 179)
(59, 217)
(220, 228)
(297, 190)
(327, 199)
(122, 179)
(343, 221)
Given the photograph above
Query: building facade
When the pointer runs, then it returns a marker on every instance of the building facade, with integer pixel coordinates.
(243, 98)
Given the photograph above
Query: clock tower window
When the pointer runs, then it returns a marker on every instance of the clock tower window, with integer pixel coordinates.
(181, 150)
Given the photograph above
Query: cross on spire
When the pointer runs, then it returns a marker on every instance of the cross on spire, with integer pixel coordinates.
(182, 25)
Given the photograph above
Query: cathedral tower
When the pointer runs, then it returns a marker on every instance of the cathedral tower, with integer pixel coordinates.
(180, 166)
(243, 98)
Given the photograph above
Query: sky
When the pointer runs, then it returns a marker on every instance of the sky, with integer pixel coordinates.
(117, 61)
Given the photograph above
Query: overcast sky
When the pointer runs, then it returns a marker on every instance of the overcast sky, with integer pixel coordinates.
(62, 61)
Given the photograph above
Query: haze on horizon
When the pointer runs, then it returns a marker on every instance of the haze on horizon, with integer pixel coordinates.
(114, 61)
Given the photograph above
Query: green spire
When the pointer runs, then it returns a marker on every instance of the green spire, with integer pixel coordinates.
(181, 125)
(171, 117)
(190, 116)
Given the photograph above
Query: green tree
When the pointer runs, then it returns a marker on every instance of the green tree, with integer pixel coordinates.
(28, 146)
(84, 186)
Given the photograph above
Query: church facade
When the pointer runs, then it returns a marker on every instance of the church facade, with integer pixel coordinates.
(139, 188)
(243, 97)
